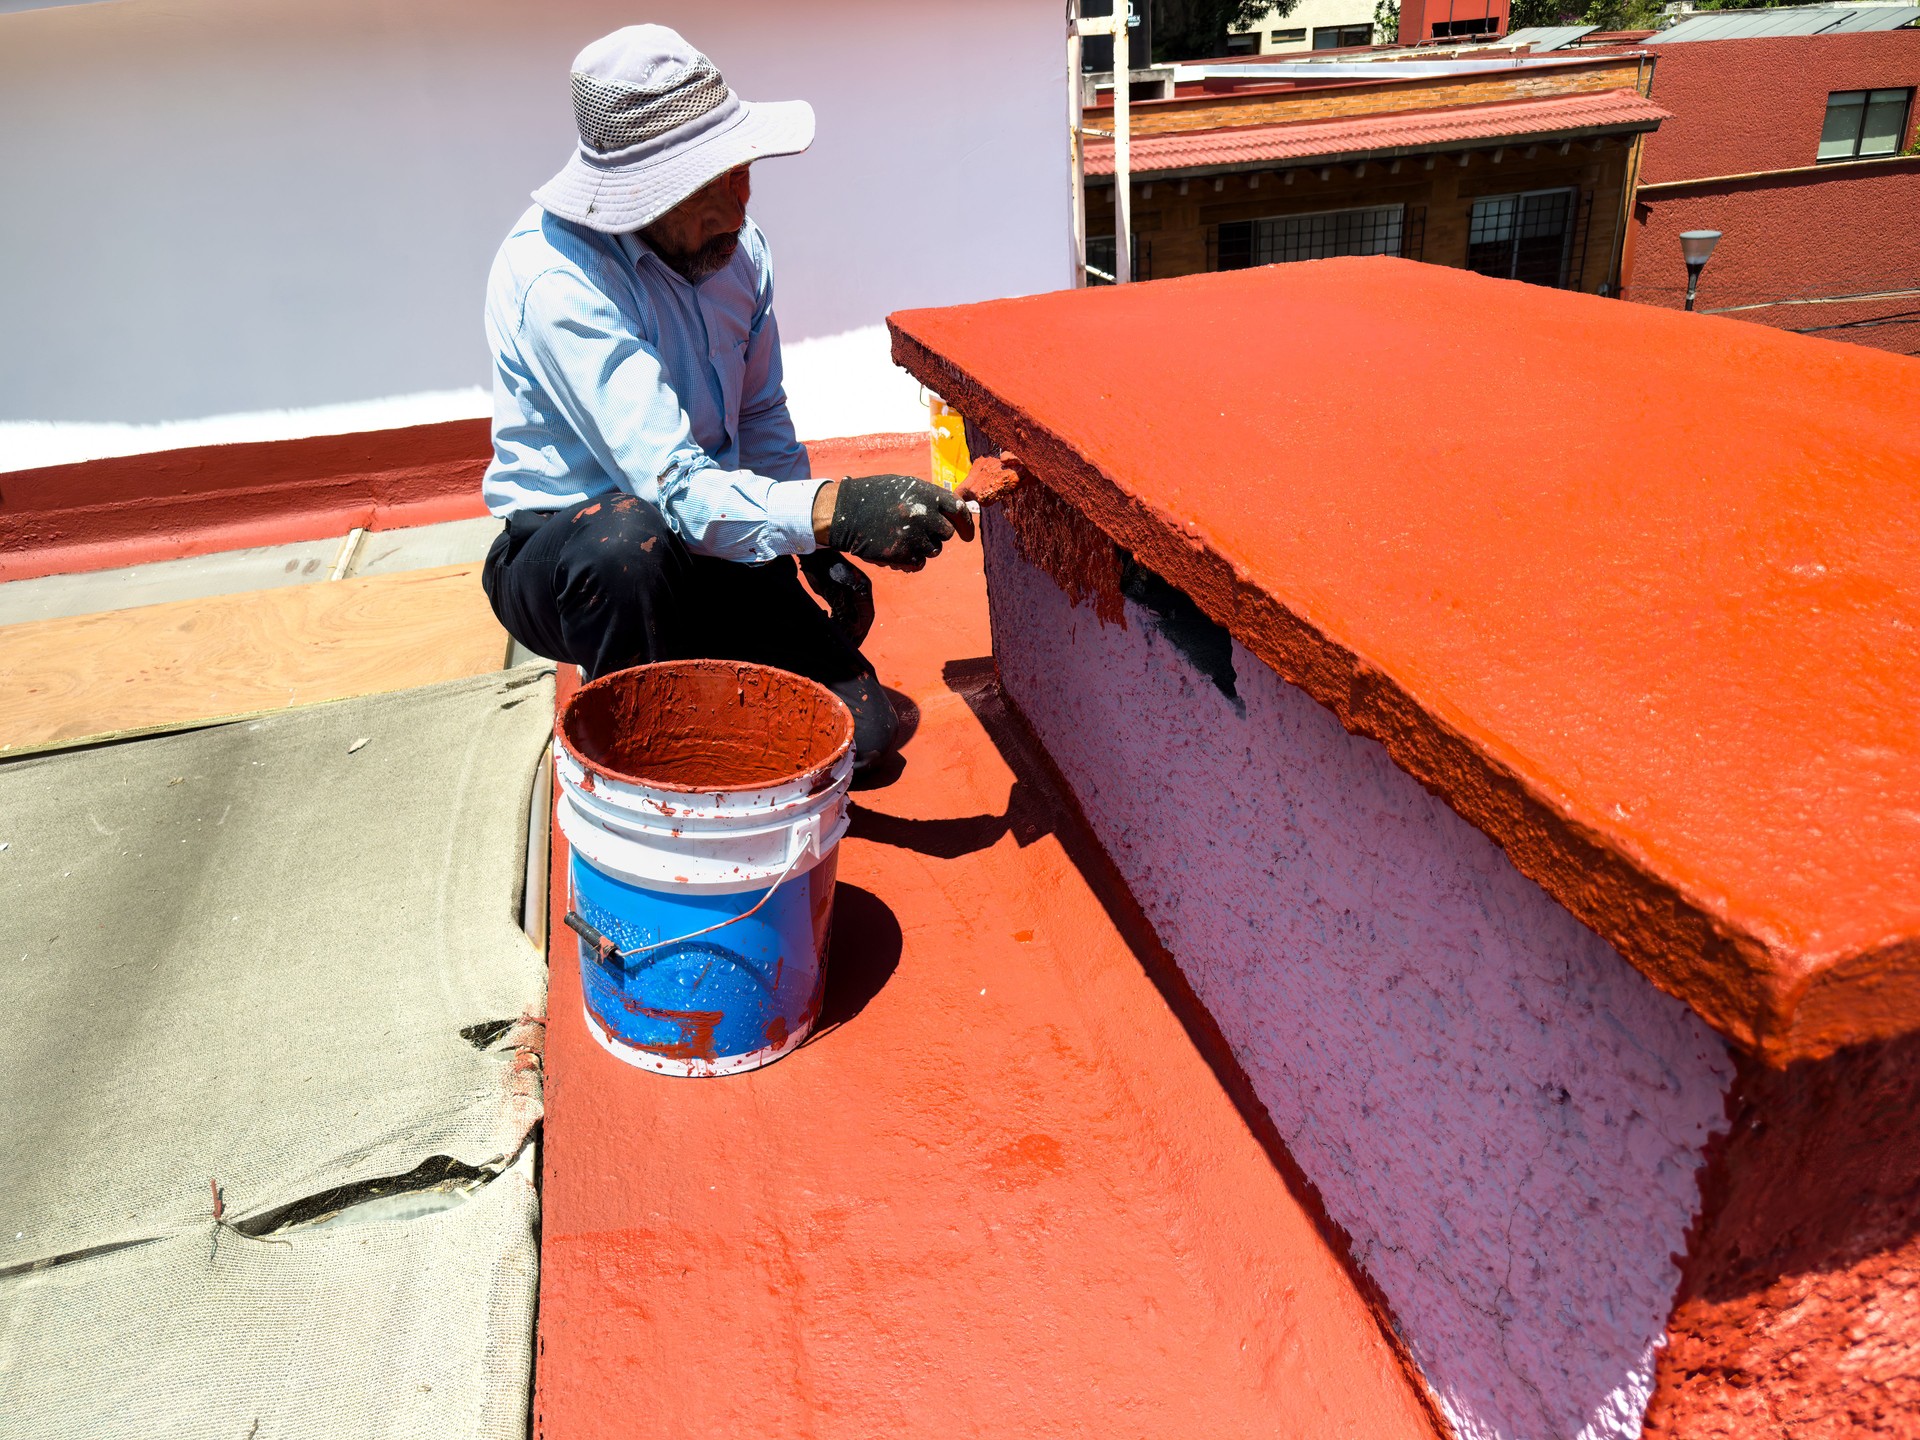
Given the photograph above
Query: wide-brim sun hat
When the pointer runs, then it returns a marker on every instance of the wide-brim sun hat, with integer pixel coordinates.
(657, 123)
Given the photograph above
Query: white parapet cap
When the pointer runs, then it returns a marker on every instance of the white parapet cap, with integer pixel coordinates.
(1385, 68)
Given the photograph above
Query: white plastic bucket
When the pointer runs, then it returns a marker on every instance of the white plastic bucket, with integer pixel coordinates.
(704, 802)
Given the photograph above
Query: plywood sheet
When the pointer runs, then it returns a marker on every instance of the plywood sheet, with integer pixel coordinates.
(168, 666)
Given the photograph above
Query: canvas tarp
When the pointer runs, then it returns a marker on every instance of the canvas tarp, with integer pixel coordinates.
(397, 1328)
(282, 958)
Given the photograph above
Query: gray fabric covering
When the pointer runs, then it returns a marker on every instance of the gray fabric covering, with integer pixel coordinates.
(246, 955)
(395, 1328)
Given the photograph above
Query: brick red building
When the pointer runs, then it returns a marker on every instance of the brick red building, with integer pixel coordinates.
(1781, 143)
(1426, 20)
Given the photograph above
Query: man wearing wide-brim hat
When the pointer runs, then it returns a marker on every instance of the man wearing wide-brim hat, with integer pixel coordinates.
(643, 457)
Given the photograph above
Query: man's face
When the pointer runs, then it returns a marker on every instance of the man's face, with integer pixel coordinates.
(699, 235)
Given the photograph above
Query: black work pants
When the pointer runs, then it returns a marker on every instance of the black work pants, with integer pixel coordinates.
(604, 584)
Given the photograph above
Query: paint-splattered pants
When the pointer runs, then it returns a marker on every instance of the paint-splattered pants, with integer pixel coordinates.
(604, 584)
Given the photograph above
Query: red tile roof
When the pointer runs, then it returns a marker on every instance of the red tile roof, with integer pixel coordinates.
(1407, 130)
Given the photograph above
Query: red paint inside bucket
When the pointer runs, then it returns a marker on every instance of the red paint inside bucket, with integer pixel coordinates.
(706, 725)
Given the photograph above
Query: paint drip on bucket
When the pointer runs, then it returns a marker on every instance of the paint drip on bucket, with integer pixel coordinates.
(703, 801)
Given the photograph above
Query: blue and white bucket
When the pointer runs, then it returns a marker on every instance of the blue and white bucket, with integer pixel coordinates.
(703, 801)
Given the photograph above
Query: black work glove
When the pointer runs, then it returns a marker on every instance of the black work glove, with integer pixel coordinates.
(845, 588)
(895, 520)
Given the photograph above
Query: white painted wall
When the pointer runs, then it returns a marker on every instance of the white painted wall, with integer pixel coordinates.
(217, 207)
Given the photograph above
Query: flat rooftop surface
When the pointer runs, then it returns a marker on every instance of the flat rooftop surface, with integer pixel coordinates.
(1634, 590)
(1001, 1192)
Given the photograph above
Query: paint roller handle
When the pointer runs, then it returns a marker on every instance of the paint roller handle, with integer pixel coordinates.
(806, 841)
(596, 942)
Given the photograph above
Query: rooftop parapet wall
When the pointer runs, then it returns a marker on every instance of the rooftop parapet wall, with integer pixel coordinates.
(1660, 651)
(1649, 625)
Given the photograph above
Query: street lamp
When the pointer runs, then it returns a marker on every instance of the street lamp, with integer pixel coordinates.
(1696, 248)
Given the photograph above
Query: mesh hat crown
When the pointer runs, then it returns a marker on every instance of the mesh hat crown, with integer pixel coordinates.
(656, 123)
(614, 115)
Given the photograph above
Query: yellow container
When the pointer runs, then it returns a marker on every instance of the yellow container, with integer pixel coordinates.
(949, 435)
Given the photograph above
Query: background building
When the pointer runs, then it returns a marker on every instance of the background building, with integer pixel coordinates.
(1800, 149)
(1309, 25)
(1515, 170)
(1422, 21)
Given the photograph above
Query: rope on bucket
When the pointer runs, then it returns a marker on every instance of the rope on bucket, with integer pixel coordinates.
(607, 950)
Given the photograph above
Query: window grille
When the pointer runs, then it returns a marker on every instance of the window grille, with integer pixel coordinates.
(1377, 230)
(1577, 246)
(1522, 237)
(1864, 124)
(1339, 37)
(1413, 242)
(1100, 258)
(1483, 25)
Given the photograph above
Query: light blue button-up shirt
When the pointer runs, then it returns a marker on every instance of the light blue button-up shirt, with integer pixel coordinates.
(612, 372)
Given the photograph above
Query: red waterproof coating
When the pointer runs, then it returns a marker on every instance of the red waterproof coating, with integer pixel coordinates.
(706, 725)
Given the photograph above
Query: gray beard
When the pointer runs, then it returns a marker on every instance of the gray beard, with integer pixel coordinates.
(709, 260)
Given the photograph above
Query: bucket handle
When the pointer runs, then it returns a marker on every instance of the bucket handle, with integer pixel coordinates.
(807, 838)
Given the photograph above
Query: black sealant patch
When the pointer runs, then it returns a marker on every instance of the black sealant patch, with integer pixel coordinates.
(1207, 646)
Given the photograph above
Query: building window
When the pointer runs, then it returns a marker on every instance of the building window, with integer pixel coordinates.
(1448, 29)
(1248, 44)
(1522, 237)
(1287, 37)
(1864, 123)
(1339, 37)
(1100, 259)
(1374, 231)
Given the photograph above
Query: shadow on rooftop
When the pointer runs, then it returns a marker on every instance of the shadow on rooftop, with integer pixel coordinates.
(1028, 816)
(1043, 799)
(861, 957)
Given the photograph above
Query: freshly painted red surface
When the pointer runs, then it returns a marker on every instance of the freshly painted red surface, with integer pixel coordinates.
(1001, 1192)
(1745, 105)
(136, 509)
(1649, 623)
(1799, 1305)
(905, 454)
(1545, 116)
(1842, 230)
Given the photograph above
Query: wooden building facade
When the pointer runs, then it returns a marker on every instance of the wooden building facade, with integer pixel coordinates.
(1520, 170)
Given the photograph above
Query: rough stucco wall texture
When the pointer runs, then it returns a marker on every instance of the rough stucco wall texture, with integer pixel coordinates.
(1504, 1116)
